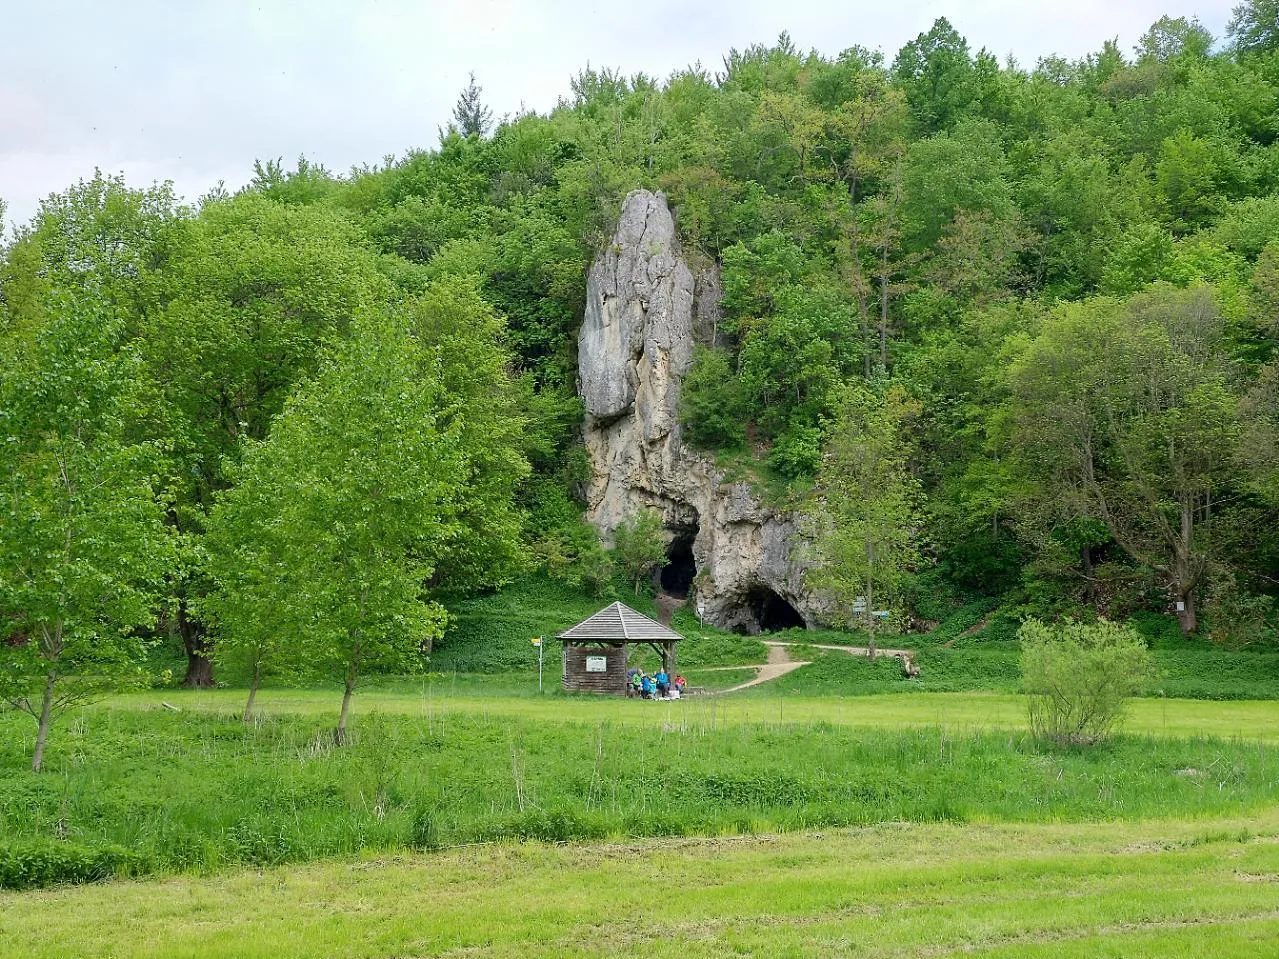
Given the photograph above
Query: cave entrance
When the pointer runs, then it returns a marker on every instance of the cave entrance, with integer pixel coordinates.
(677, 575)
(772, 612)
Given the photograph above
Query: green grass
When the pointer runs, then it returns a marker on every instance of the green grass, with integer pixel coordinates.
(1170, 888)
(718, 678)
(134, 787)
(1210, 674)
(514, 697)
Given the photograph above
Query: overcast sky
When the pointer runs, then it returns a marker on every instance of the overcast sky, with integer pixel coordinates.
(193, 90)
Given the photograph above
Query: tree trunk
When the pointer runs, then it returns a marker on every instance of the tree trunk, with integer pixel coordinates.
(1090, 587)
(883, 311)
(861, 284)
(253, 691)
(870, 615)
(1183, 577)
(339, 734)
(1187, 617)
(199, 651)
(46, 717)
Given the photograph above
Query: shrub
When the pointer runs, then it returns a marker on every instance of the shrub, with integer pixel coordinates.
(1078, 676)
(640, 547)
(712, 406)
(34, 863)
(797, 452)
(574, 556)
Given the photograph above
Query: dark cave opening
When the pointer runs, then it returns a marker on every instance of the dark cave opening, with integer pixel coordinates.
(772, 612)
(677, 575)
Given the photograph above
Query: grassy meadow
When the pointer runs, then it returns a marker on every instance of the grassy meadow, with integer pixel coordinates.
(837, 810)
(133, 787)
(1204, 888)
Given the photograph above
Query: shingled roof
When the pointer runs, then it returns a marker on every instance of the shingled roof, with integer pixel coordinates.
(620, 622)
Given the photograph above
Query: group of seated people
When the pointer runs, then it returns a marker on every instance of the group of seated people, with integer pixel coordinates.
(658, 686)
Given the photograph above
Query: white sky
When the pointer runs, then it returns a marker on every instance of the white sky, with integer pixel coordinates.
(193, 90)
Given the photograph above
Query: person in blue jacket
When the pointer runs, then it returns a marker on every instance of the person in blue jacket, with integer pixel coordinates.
(663, 682)
(646, 685)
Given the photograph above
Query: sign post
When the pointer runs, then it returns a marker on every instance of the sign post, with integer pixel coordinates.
(537, 641)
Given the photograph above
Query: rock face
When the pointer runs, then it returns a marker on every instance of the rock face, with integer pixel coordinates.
(637, 336)
(644, 312)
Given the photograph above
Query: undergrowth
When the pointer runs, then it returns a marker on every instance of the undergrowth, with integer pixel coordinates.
(129, 792)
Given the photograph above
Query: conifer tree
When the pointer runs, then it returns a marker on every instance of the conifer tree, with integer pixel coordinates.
(472, 117)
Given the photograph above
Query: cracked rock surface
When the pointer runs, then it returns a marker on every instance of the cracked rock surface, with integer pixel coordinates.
(644, 312)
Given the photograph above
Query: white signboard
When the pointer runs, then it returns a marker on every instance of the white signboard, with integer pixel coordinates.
(597, 664)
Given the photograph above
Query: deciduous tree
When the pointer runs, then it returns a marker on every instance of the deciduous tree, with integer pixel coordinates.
(390, 473)
(1078, 676)
(1254, 26)
(864, 518)
(84, 550)
(1127, 414)
(248, 293)
(936, 71)
(363, 485)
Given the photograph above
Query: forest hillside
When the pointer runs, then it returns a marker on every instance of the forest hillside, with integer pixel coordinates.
(1006, 334)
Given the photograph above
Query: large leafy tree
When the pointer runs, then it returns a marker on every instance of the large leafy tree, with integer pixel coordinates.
(1127, 413)
(250, 291)
(936, 72)
(389, 473)
(488, 410)
(1171, 37)
(84, 550)
(362, 485)
(962, 170)
(1254, 26)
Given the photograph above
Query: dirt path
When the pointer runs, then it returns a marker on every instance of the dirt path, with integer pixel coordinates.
(778, 665)
(666, 606)
(779, 661)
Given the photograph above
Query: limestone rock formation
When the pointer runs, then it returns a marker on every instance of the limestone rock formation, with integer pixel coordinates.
(644, 311)
(637, 337)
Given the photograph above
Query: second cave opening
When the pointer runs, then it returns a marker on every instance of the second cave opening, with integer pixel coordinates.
(772, 612)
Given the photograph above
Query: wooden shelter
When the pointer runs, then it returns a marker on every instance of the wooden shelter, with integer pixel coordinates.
(596, 650)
